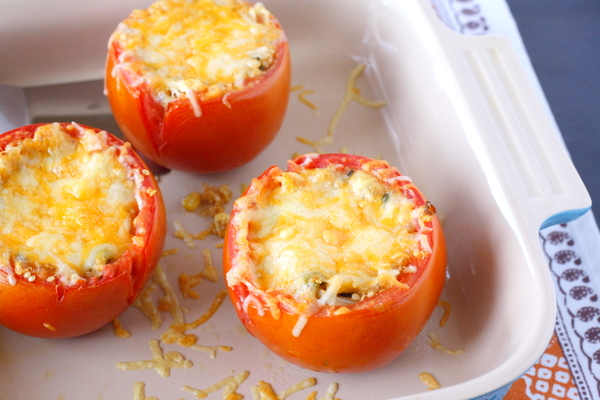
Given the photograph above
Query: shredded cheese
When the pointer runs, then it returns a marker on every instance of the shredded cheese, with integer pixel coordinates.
(325, 237)
(119, 330)
(67, 207)
(447, 310)
(352, 93)
(229, 386)
(145, 304)
(177, 331)
(188, 282)
(197, 49)
(139, 392)
(161, 362)
(429, 380)
(436, 344)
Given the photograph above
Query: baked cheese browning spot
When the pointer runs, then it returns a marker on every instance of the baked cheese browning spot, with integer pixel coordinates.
(229, 385)
(429, 380)
(205, 46)
(435, 343)
(119, 330)
(212, 350)
(176, 333)
(327, 236)
(139, 392)
(447, 309)
(161, 362)
(76, 182)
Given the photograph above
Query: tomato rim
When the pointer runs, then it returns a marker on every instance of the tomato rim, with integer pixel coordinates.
(155, 128)
(430, 278)
(121, 281)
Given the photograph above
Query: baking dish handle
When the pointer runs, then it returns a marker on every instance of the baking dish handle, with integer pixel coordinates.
(513, 132)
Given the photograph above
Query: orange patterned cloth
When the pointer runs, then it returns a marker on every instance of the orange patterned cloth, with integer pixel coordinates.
(549, 379)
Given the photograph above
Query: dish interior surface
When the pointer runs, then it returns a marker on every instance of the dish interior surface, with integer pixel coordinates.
(500, 299)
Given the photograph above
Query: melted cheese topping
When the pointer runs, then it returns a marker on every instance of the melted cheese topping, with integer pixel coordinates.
(204, 46)
(66, 205)
(328, 236)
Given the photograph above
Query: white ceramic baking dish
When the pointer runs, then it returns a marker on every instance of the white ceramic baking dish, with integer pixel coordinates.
(461, 119)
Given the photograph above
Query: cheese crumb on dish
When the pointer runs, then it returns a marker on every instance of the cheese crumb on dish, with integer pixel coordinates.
(326, 237)
(67, 205)
(207, 47)
(429, 380)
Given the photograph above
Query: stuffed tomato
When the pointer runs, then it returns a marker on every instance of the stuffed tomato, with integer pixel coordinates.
(201, 85)
(83, 227)
(335, 264)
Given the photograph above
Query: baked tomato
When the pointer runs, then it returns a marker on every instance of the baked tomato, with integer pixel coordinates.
(200, 86)
(335, 264)
(83, 226)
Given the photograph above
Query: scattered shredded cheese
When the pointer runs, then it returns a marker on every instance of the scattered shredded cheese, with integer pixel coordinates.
(229, 385)
(50, 327)
(161, 362)
(429, 380)
(177, 332)
(352, 93)
(139, 392)
(211, 350)
(302, 97)
(188, 282)
(119, 330)
(196, 50)
(435, 343)
(447, 309)
(145, 304)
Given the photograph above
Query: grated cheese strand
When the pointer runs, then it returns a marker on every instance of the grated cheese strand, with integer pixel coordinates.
(435, 343)
(229, 386)
(119, 330)
(447, 309)
(145, 304)
(429, 380)
(306, 383)
(212, 350)
(139, 392)
(161, 362)
(177, 332)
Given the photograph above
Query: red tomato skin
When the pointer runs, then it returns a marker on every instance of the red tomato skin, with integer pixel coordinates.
(228, 134)
(52, 310)
(371, 334)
